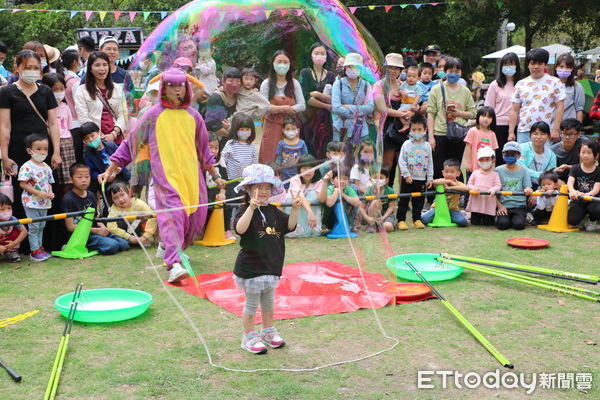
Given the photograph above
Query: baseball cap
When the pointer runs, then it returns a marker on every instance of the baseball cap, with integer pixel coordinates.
(432, 48)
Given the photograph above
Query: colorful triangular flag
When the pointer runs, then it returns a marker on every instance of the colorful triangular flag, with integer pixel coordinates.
(283, 12)
(371, 7)
(417, 5)
(146, 15)
(117, 15)
(72, 14)
(132, 15)
(163, 14)
(102, 14)
(387, 8)
(268, 13)
(299, 12)
(88, 15)
(352, 9)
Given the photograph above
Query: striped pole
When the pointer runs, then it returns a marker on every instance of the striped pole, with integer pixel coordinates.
(55, 217)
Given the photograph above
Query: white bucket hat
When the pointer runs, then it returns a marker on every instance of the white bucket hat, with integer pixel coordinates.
(260, 173)
(394, 60)
(353, 59)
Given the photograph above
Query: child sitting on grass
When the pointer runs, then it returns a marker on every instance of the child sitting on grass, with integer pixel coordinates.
(484, 179)
(416, 167)
(380, 213)
(512, 210)
(544, 205)
(307, 186)
(336, 154)
(123, 204)
(450, 174)
(10, 236)
(79, 198)
(584, 180)
(330, 195)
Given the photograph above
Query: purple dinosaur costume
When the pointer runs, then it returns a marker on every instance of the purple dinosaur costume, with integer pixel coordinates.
(179, 155)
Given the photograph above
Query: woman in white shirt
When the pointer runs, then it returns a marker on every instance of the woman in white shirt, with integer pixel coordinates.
(100, 101)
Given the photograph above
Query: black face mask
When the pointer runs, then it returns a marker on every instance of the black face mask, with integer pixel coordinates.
(339, 69)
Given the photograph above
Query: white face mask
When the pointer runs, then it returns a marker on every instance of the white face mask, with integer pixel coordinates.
(290, 134)
(485, 164)
(378, 182)
(352, 73)
(244, 135)
(60, 96)
(30, 75)
(39, 157)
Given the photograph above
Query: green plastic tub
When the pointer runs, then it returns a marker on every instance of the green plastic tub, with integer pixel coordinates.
(426, 263)
(106, 305)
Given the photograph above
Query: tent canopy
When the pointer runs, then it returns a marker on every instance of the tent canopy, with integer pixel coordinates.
(519, 50)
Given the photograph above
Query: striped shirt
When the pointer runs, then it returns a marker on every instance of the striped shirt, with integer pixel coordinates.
(237, 156)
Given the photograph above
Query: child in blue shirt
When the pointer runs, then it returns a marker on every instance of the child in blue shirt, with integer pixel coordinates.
(289, 150)
(426, 73)
(411, 95)
(512, 210)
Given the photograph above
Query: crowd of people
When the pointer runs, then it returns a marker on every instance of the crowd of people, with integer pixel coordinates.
(65, 114)
(330, 140)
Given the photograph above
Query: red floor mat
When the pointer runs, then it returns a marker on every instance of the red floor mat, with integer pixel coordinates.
(316, 288)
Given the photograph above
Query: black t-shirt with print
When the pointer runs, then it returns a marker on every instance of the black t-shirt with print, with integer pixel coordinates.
(584, 182)
(263, 244)
(71, 202)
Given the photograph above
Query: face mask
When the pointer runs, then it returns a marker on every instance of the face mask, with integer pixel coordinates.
(38, 157)
(352, 73)
(337, 159)
(60, 96)
(403, 76)
(30, 76)
(485, 164)
(232, 87)
(319, 60)
(244, 135)
(290, 134)
(512, 159)
(281, 69)
(339, 69)
(378, 182)
(441, 74)
(563, 73)
(367, 157)
(44, 63)
(453, 77)
(509, 70)
(417, 136)
(94, 143)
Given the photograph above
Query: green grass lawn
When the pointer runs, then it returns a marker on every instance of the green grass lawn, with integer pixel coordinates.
(158, 356)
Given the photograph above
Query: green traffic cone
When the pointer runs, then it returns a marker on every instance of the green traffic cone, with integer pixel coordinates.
(75, 247)
(442, 214)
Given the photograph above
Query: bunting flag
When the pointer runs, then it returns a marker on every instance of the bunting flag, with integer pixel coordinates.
(163, 14)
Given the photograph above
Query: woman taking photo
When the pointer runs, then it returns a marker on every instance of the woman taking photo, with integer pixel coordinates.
(351, 103)
(26, 107)
(100, 101)
(459, 107)
(498, 97)
(316, 127)
(285, 95)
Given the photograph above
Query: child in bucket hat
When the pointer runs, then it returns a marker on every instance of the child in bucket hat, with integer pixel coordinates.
(259, 263)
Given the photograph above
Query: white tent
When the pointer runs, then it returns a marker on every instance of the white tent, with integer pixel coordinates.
(518, 50)
(557, 49)
(592, 54)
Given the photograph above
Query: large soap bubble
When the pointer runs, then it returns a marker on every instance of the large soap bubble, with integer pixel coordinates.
(246, 33)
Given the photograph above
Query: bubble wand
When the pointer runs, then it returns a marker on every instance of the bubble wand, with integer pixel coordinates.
(484, 342)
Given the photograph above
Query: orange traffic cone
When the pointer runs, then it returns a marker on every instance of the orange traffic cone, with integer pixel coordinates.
(214, 234)
(558, 218)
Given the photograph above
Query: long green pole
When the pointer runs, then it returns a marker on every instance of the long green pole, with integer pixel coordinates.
(64, 352)
(529, 278)
(61, 345)
(484, 342)
(525, 281)
(592, 279)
